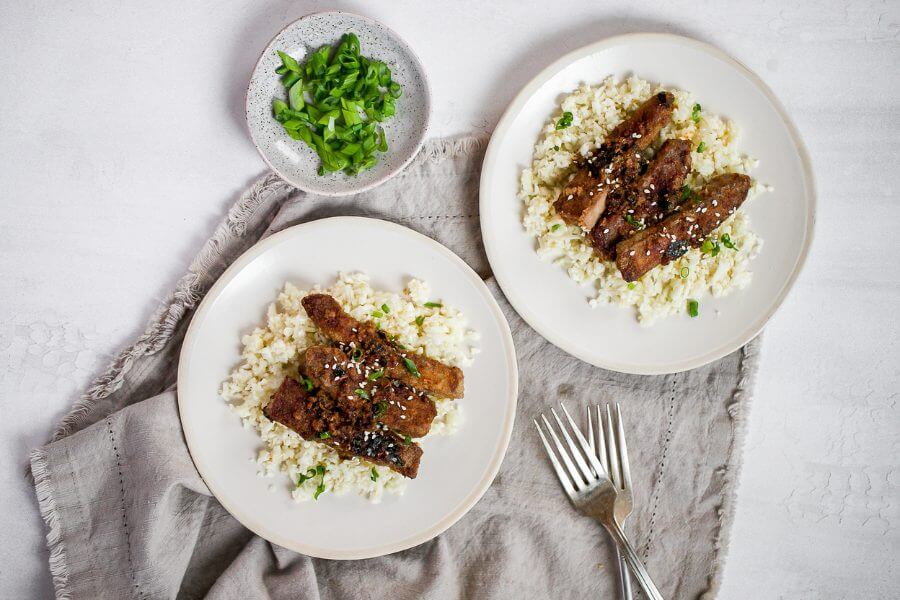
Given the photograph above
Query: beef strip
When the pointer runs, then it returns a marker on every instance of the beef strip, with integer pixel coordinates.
(648, 199)
(398, 406)
(422, 373)
(686, 228)
(349, 427)
(605, 173)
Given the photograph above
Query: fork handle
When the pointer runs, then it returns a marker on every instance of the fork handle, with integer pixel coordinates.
(634, 562)
(624, 576)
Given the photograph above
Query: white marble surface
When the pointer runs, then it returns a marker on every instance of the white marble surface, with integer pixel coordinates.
(122, 142)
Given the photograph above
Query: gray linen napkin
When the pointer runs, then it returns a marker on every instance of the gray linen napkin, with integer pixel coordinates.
(128, 515)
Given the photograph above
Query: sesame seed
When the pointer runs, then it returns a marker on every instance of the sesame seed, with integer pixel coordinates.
(631, 253)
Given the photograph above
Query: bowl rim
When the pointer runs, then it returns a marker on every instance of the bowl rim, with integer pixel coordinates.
(417, 63)
(491, 158)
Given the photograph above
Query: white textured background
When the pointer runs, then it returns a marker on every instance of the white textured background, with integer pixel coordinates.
(122, 142)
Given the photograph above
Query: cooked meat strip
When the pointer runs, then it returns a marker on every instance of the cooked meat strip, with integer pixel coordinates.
(687, 227)
(350, 432)
(420, 372)
(617, 161)
(648, 199)
(398, 406)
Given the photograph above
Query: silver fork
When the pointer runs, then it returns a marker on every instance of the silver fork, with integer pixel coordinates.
(613, 454)
(590, 489)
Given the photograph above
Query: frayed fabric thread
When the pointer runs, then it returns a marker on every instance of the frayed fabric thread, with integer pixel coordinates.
(737, 410)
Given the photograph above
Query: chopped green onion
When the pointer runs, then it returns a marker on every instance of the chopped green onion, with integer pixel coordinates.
(386, 309)
(411, 367)
(701, 147)
(433, 305)
(556, 148)
(375, 375)
(374, 475)
(685, 272)
(693, 308)
(336, 102)
(324, 435)
(361, 393)
(307, 383)
(357, 354)
(319, 490)
(695, 113)
(726, 240)
(310, 473)
(420, 320)
(377, 314)
(380, 408)
(407, 440)
(564, 121)
(634, 222)
(555, 226)
(632, 285)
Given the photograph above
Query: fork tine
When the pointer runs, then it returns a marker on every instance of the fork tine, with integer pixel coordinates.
(577, 478)
(563, 478)
(601, 441)
(590, 428)
(596, 466)
(623, 450)
(612, 450)
(573, 449)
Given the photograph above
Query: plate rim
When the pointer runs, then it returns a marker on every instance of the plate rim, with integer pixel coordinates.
(453, 516)
(417, 63)
(491, 158)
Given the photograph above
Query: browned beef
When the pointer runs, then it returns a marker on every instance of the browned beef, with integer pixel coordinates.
(347, 427)
(395, 404)
(648, 199)
(420, 372)
(604, 175)
(686, 228)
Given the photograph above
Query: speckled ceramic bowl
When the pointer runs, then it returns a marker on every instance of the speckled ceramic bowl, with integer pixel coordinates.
(292, 159)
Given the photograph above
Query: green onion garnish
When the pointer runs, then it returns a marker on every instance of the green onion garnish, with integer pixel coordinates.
(336, 101)
(555, 226)
(361, 393)
(386, 309)
(374, 475)
(685, 272)
(377, 314)
(695, 113)
(357, 354)
(710, 246)
(420, 320)
(411, 367)
(375, 375)
(701, 147)
(307, 383)
(726, 240)
(319, 489)
(380, 408)
(407, 440)
(564, 121)
(324, 435)
(433, 305)
(634, 222)
(310, 473)
(632, 285)
(693, 308)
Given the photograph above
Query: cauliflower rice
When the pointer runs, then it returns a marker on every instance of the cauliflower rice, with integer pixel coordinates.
(663, 291)
(271, 352)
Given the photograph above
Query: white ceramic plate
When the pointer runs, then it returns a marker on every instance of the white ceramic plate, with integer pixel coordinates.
(292, 159)
(455, 470)
(610, 337)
